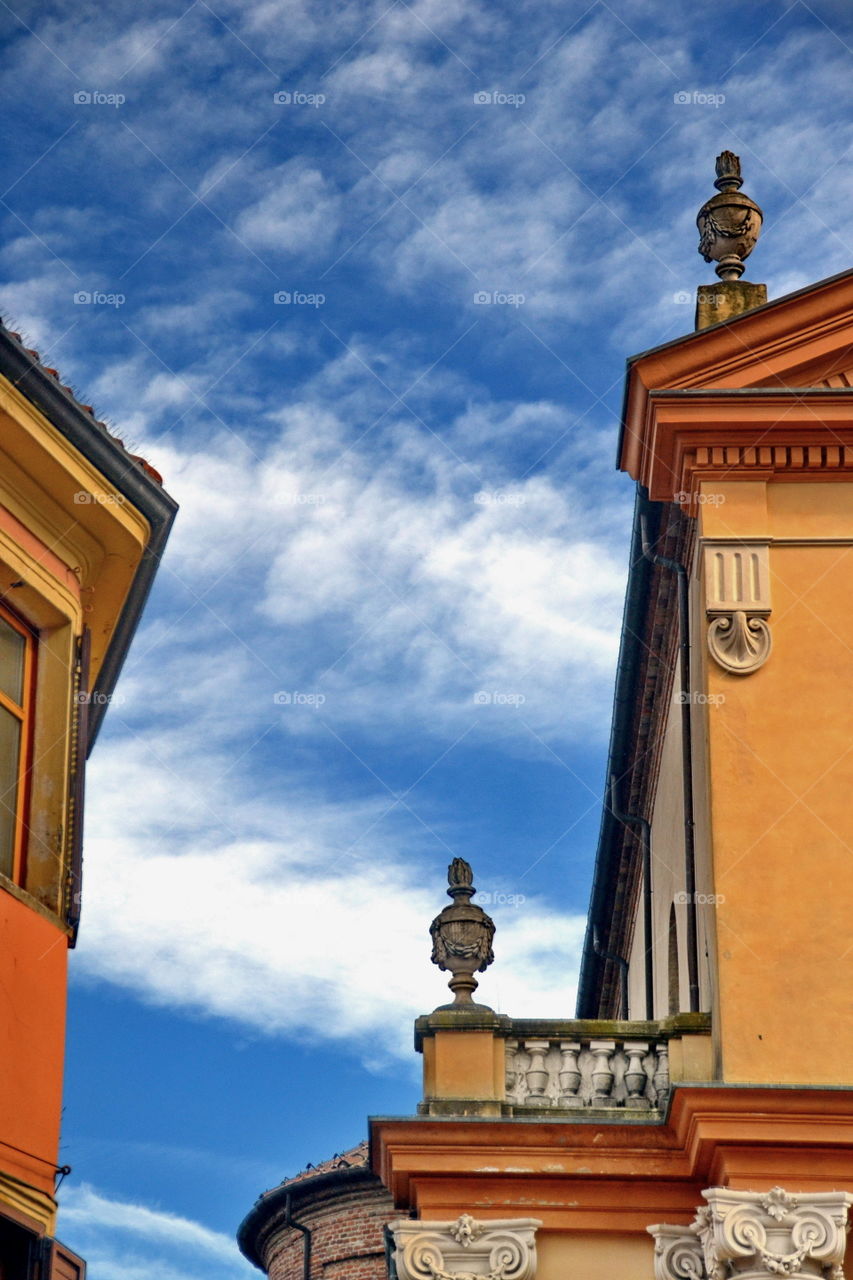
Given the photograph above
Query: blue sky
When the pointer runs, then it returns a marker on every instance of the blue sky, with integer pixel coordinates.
(361, 283)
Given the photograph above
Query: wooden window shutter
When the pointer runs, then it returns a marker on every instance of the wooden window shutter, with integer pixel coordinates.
(59, 1263)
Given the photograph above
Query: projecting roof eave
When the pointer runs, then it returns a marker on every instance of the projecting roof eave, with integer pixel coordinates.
(131, 476)
(267, 1207)
(733, 352)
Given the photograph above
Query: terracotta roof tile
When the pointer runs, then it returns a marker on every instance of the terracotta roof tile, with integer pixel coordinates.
(355, 1158)
(86, 408)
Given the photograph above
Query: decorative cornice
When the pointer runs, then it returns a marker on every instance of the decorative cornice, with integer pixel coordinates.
(465, 1249)
(27, 1203)
(687, 437)
(617, 1174)
(801, 340)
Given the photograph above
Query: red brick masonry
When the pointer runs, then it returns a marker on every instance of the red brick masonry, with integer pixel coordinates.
(345, 1207)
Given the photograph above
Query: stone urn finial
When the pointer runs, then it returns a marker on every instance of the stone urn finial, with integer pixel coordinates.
(729, 223)
(462, 937)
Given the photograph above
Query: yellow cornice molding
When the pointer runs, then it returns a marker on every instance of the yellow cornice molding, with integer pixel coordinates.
(29, 1201)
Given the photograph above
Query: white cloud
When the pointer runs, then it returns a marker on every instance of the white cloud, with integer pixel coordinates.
(291, 913)
(299, 212)
(402, 581)
(402, 586)
(120, 1238)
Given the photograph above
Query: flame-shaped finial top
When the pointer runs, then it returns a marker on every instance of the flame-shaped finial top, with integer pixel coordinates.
(460, 879)
(728, 172)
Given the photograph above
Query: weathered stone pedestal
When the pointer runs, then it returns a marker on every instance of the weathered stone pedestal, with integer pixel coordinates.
(726, 300)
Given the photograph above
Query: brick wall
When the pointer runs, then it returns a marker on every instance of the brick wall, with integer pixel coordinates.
(346, 1223)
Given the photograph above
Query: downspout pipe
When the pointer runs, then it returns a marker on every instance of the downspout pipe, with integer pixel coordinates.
(674, 566)
(646, 848)
(623, 971)
(306, 1232)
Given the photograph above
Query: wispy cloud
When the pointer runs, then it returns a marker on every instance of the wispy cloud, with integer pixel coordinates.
(125, 1239)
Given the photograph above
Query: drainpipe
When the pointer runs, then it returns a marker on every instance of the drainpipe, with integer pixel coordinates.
(687, 762)
(306, 1231)
(646, 847)
(623, 970)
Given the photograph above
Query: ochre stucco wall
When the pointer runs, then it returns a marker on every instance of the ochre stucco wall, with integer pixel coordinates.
(781, 780)
(594, 1256)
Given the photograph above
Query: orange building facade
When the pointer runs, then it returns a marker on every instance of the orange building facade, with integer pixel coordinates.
(82, 527)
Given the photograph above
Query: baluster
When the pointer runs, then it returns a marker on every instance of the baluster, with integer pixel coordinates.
(661, 1076)
(537, 1074)
(635, 1076)
(511, 1070)
(569, 1074)
(602, 1072)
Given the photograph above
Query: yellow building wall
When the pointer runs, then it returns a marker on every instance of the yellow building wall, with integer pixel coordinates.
(780, 784)
(593, 1255)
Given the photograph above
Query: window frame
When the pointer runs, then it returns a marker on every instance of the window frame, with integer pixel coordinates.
(24, 712)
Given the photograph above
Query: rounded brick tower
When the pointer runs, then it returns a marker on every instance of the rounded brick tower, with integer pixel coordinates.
(325, 1223)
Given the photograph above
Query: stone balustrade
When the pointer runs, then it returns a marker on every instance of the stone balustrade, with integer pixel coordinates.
(587, 1071)
(482, 1063)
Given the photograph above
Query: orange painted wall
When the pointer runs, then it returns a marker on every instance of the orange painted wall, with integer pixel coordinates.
(33, 963)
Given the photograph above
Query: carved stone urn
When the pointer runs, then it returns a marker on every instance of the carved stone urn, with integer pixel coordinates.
(729, 223)
(462, 938)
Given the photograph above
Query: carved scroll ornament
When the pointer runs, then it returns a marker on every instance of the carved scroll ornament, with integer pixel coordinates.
(465, 1249)
(739, 643)
(737, 601)
(753, 1235)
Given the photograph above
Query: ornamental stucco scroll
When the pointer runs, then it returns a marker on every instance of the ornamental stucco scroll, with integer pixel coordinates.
(737, 603)
(757, 1235)
(465, 1249)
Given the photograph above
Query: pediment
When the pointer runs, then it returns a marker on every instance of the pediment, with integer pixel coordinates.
(804, 339)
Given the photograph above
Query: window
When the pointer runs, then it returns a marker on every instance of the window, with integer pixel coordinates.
(17, 662)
